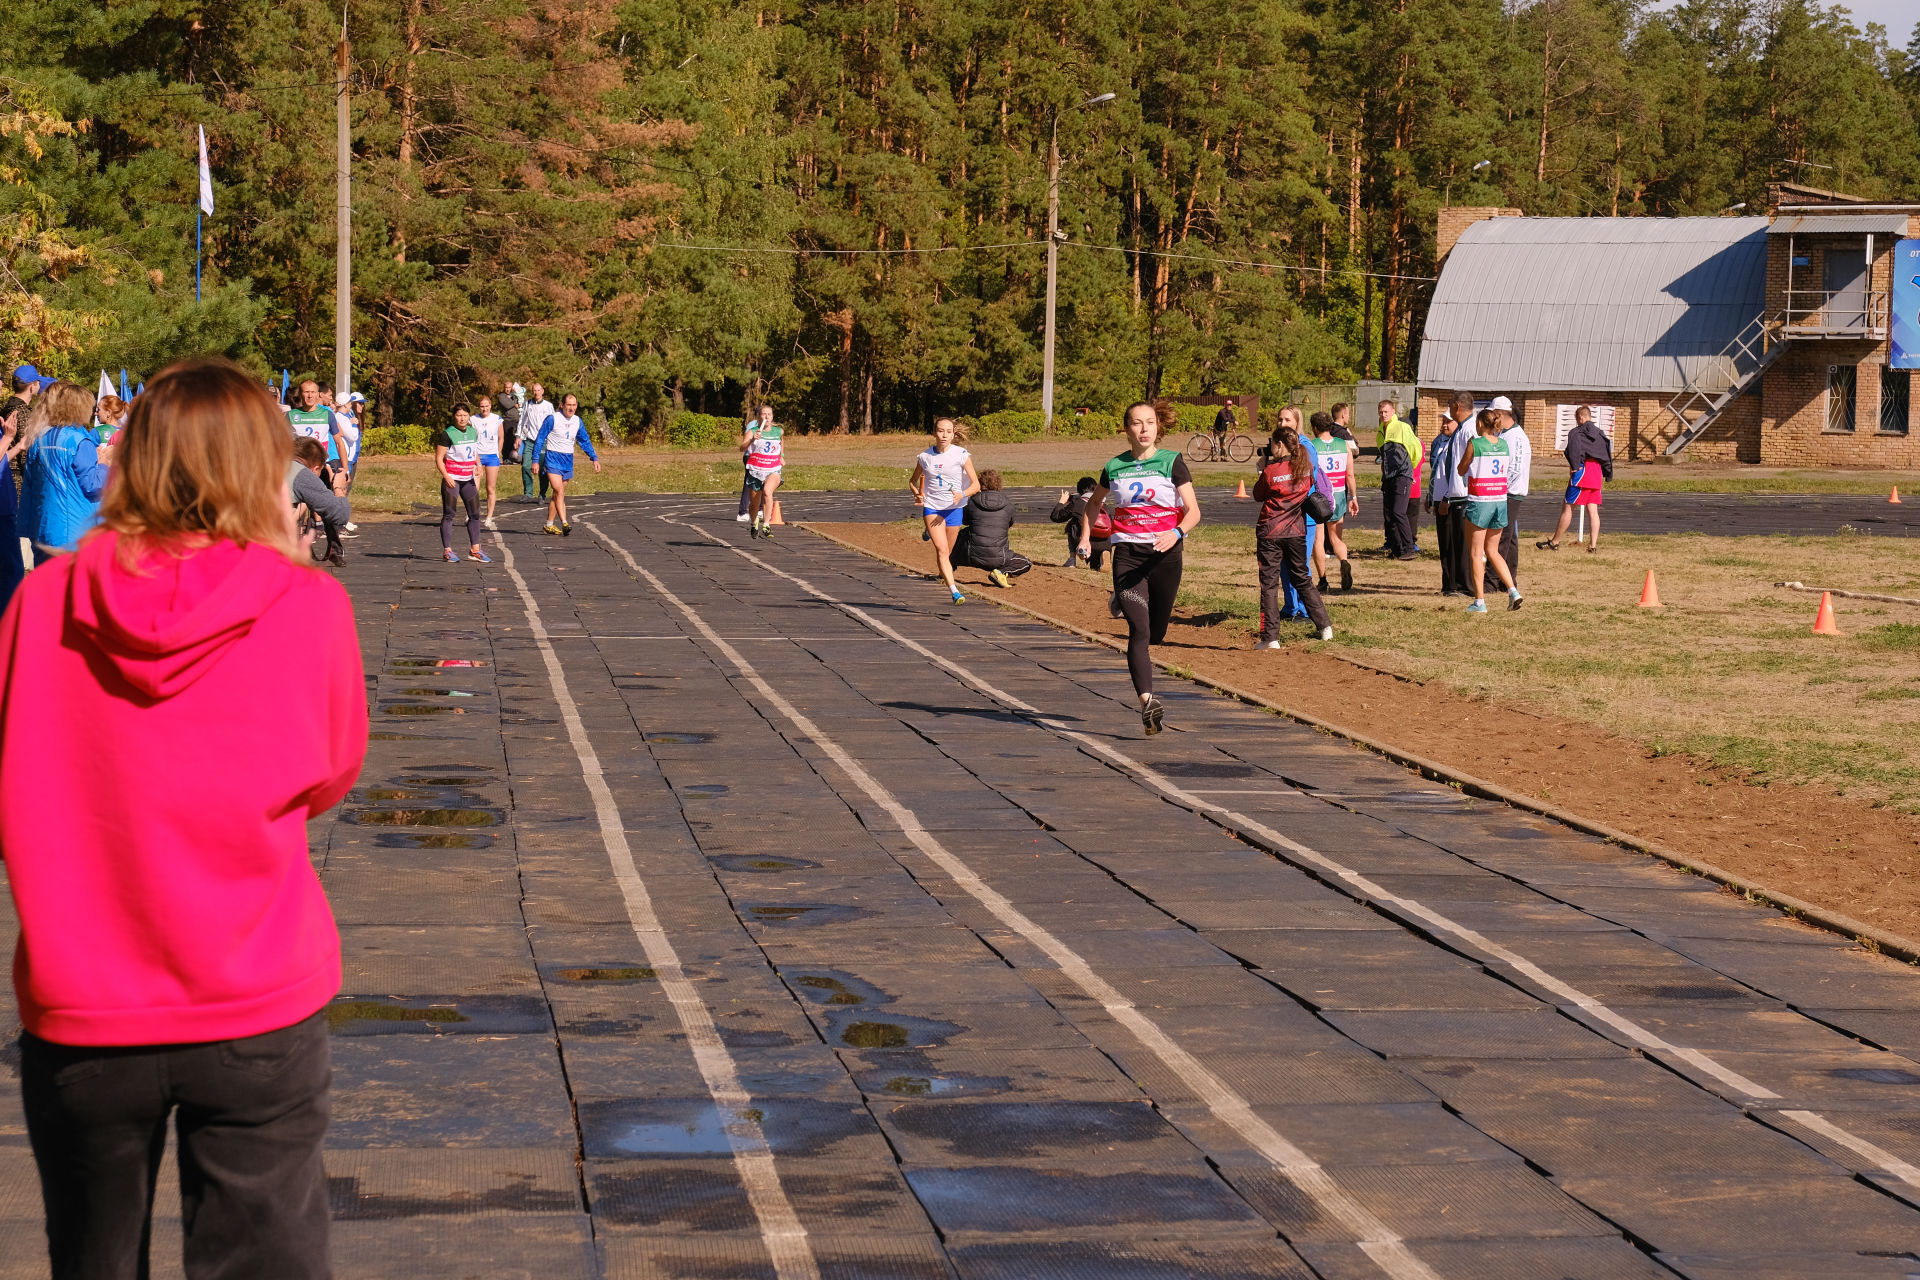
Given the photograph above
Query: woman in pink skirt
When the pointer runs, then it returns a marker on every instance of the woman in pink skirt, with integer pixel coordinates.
(1590, 463)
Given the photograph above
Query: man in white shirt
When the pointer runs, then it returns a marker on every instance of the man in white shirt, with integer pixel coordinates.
(533, 416)
(1520, 450)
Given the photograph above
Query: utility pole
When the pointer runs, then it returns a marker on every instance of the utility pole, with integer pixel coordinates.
(1053, 253)
(1053, 264)
(343, 229)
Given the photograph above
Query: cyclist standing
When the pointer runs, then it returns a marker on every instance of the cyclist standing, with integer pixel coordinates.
(1223, 427)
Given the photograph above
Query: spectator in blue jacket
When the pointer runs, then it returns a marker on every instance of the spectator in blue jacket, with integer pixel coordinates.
(66, 471)
(1447, 495)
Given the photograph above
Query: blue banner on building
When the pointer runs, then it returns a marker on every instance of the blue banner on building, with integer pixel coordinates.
(1906, 305)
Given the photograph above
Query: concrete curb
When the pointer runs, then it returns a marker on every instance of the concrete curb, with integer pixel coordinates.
(1869, 936)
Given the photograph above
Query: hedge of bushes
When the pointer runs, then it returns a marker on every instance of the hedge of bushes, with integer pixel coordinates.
(689, 430)
(388, 441)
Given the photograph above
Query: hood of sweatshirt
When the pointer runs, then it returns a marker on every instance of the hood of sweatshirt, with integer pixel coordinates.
(990, 499)
(168, 621)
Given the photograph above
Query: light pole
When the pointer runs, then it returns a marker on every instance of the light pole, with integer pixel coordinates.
(342, 223)
(1053, 253)
(1484, 164)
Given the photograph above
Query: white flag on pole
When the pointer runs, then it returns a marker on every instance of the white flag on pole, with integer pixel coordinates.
(206, 177)
(106, 384)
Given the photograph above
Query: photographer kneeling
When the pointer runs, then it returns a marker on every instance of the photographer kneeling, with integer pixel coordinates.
(304, 478)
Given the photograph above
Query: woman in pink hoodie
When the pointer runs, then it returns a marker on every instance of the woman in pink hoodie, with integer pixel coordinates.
(177, 700)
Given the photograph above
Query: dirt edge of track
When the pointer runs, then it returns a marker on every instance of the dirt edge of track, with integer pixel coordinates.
(1796, 841)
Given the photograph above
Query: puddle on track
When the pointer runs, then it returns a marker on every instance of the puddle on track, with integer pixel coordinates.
(799, 915)
(760, 863)
(675, 738)
(425, 818)
(871, 1029)
(430, 840)
(623, 973)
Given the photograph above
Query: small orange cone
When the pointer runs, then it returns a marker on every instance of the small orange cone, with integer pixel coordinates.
(775, 517)
(1896, 494)
(1823, 623)
(1650, 594)
(1242, 494)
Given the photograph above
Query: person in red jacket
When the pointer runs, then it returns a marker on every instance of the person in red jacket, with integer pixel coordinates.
(176, 952)
(1280, 529)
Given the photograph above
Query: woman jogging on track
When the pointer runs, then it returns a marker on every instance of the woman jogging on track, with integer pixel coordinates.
(1484, 462)
(456, 452)
(1334, 457)
(554, 447)
(766, 454)
(1154, 507)
(942, 480)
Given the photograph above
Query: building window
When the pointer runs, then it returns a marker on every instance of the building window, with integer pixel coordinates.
(1896, 386)
(1841, 381)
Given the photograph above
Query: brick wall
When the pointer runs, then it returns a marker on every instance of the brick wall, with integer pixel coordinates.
(1454, 220)
(1795, 431)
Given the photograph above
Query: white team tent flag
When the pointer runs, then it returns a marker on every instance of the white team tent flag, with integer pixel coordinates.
(206, 177)
(106, 385)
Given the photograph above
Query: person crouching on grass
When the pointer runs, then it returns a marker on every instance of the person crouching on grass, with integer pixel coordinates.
(1484, 462)
(176, 952)
(985, 537)
(1280, 530)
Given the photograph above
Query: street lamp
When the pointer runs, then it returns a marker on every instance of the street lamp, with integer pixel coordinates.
(1053, 251)
(1448, 200)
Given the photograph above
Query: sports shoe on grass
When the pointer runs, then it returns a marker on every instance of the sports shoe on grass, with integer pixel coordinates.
(1478, 606)
(1326, 633)
(1346, 575)
(1268, 644)
(1513, 599)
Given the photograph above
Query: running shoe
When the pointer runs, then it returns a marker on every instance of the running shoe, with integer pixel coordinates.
(488, 523)
(1326, 633)
(553, 529)
(1113, 604)
(1478, 606)
(1346, 575)
(449, 556)
(566, 530)
(481, 556)
(1268, 644)
(1513, 599)
(926, 535)
(1322, 587)
(352, 527)
(1000, 579)
(958, 598)
(742, 518)
(766, 531)
(1152, 712)
(1071, 562)
(336, 558)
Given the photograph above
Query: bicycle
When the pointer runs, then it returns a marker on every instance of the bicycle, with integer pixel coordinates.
(306, 524)
(1204, 446)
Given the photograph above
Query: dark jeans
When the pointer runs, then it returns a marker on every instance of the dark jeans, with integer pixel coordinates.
(1289, 556)
(1455, 547)
(746, 494)
(969, 550)
(1146, 582)
(469, 494)
(1397, 527)
(250, 1114)
(1509, 545)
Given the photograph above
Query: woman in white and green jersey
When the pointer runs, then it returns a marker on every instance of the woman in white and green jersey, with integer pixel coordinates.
(1334, 456)
(1486, 465)
(1154, 507)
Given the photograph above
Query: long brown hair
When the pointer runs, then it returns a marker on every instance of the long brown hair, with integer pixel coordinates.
(1287, 439)
(204, 456)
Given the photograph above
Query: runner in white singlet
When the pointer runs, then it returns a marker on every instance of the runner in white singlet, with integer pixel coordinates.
(941, 481)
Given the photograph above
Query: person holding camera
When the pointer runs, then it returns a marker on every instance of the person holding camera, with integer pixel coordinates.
(1288, 492)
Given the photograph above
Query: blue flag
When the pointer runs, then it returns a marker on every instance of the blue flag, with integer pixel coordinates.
(126, 391)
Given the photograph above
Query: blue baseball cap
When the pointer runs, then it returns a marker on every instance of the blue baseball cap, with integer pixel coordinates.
(27, 373)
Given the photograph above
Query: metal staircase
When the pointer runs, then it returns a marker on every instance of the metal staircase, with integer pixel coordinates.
(1720, 381)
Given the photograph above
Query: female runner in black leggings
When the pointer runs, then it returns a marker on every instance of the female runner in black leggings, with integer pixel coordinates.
(1153, 508)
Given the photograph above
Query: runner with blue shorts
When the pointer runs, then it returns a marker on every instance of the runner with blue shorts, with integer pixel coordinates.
(1334, 456)
(941, 481)
(554, 446)
(487, 425)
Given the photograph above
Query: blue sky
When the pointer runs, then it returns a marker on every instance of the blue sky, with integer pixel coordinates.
(1897, 16)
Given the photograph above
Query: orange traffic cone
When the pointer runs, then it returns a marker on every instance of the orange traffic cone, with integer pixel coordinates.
(1823, 623)
(1650, 594)
(775, 517)
(1896, 494)
(1241, 494)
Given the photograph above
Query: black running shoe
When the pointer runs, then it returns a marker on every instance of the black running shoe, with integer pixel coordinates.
(566, 531)
(1322, 587)
(1113, 604)
(1346, 575)
(1152, 712)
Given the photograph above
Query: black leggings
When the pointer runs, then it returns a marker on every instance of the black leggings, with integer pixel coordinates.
(1146, 581)
(469, 494)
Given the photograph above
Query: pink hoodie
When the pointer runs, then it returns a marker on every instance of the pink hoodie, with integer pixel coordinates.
(164, 738)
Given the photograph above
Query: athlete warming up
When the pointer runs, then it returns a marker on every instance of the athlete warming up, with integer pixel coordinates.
(1153, 508)
(554, 446)
(456, 452)
(487, 426)
(765, 456)
(1334, 457)
(942, 480)
(1486, 465)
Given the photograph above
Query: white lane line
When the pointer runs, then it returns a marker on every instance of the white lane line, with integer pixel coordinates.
(1378, 1241)
(1893, 1164)
(1627, 1027)
(780, 1228)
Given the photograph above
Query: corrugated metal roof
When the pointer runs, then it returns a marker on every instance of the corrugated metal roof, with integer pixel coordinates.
(1591, 304)
(1841, 224)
